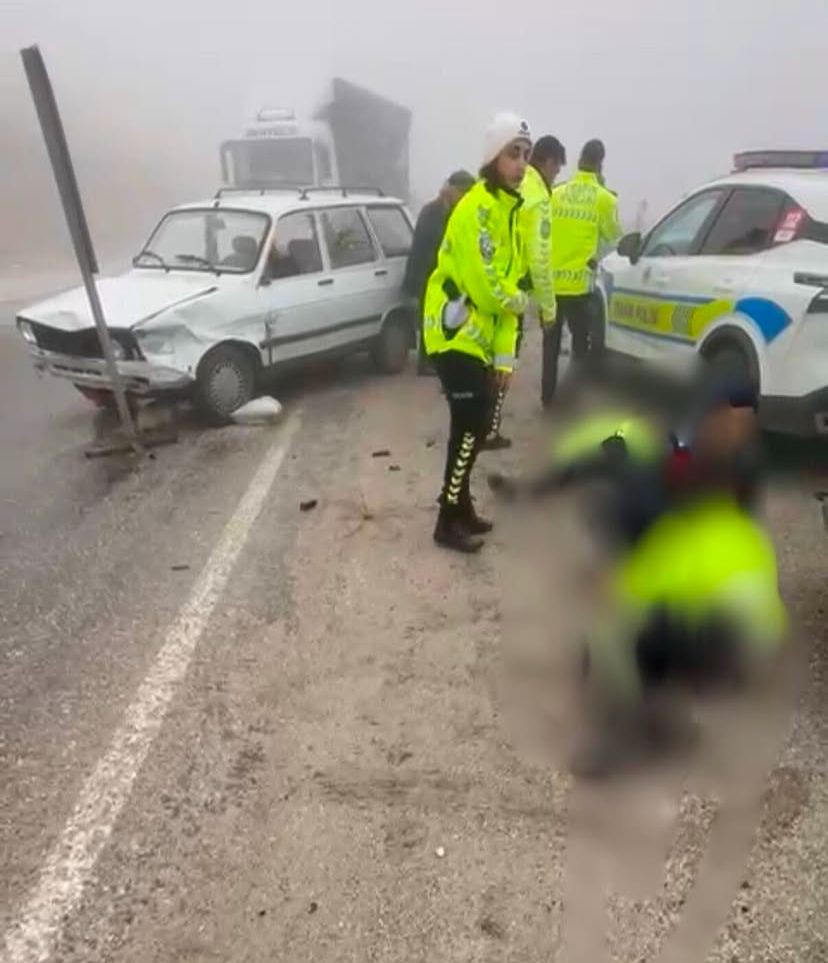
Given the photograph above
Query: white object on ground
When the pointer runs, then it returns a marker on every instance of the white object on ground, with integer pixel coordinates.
(259, 411)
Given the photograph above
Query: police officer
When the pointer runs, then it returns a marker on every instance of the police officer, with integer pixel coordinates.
(472, 305)
(428, 235)
(547, 159)
(584, 222)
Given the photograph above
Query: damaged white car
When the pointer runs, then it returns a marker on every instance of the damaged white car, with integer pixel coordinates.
(229, 290)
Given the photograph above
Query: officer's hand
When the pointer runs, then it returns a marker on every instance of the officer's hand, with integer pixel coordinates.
(503, 487)
(502, 380)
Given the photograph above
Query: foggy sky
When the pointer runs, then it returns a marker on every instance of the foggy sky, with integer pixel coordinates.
(674, 87)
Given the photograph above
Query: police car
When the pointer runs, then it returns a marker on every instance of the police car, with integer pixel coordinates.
(737, 273)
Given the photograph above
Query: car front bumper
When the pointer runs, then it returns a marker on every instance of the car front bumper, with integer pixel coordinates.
(806, 415)
(139, 377)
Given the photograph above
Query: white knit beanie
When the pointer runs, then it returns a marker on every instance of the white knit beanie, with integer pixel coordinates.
(501, 132)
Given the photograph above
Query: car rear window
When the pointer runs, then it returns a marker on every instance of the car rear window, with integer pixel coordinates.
(392, 229)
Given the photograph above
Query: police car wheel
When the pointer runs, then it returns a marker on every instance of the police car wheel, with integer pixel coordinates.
(390, 350)
(225, 380)
(730, 360)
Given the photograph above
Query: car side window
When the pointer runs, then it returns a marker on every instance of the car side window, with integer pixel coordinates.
(392, 229)
(347, 238)
(295, 248)
(679, 231)
(746, 223)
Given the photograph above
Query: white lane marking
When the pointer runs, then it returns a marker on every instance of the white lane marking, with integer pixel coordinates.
(32, 938)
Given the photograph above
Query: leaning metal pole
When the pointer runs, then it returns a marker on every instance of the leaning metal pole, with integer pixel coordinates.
(58, 149)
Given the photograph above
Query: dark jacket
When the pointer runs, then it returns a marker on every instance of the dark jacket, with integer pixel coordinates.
(428, 236)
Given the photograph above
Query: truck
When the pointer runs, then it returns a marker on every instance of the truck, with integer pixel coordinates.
(356, 138)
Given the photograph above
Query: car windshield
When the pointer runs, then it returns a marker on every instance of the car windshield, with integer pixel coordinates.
(218, 241)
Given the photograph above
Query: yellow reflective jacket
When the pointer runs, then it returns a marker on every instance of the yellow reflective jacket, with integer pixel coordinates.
(709, 558)
(584, 219)
(584, 439)
(536, 216)
(473, 298)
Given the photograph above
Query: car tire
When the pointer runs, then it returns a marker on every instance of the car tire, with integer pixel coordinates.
(729, 359)
(391, 349)
(225, 380)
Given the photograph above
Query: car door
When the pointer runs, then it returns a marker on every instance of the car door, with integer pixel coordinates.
(393, 233)
(652, 299)
(294, 291)
(357, 278)
(729, 255)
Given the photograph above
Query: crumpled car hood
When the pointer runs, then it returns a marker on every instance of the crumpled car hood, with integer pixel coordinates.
(127, 300)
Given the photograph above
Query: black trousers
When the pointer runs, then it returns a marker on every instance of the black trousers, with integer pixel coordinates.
(467, 387)
(498, 396)
(577, 312)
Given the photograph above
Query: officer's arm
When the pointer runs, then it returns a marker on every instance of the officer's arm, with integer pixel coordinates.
(538, 222)
(489, 287)
(609, 225)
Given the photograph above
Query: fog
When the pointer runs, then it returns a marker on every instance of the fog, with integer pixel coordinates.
(149, 89)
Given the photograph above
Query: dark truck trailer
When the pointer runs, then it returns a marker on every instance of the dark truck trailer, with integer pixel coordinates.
(370, 136)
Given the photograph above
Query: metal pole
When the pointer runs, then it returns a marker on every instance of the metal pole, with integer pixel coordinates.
(58, 149)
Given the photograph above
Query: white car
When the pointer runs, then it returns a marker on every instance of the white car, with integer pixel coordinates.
(230, 289)
(736, 273)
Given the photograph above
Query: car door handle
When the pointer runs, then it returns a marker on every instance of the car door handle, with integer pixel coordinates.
(380, 273)
(726, 286)
(325, 282)
(662, 280)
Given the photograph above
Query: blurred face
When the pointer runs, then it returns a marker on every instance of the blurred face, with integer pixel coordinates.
(725, 431)
(511, 163)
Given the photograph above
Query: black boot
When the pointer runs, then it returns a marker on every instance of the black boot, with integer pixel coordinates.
(451, 532)
(472, 522)
(496, 443)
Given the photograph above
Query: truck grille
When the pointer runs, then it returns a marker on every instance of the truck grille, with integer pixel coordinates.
(81, 344)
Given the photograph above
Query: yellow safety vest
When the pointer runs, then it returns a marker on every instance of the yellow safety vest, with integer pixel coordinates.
(536, 215)
(584, 218)
(482, 257)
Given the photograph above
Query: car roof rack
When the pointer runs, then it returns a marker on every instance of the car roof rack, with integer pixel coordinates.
(302, 190)
(794, 159)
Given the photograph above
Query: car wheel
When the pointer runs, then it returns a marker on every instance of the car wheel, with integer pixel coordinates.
(225, 380)
(390, 350)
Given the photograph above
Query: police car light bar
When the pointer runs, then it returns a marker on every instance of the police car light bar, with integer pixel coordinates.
(800, 159)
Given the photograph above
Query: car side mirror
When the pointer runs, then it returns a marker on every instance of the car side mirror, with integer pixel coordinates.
(630, 246)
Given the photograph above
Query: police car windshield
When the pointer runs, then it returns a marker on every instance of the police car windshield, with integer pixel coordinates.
(218, 241)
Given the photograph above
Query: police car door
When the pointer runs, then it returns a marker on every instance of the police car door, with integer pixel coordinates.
(653, 298)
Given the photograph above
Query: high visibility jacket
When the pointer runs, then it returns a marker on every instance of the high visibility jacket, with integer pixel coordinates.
(536, 215)
(584, 440)
(584, 220)
(473, 298)
(707, 560)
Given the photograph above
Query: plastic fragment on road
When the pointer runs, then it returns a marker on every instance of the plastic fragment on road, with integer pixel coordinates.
(307, 506)
(259, 411)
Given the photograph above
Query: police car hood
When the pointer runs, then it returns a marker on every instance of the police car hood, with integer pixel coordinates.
(126, 300)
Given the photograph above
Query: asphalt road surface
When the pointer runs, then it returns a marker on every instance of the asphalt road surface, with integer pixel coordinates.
(233, 730)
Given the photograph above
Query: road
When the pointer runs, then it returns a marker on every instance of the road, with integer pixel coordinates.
(232, 730)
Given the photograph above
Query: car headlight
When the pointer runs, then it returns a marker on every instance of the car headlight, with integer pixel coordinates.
(156, 343)
(27, 331)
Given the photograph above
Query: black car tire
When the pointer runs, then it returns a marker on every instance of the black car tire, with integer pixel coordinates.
(391, 349)
(225, 380)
